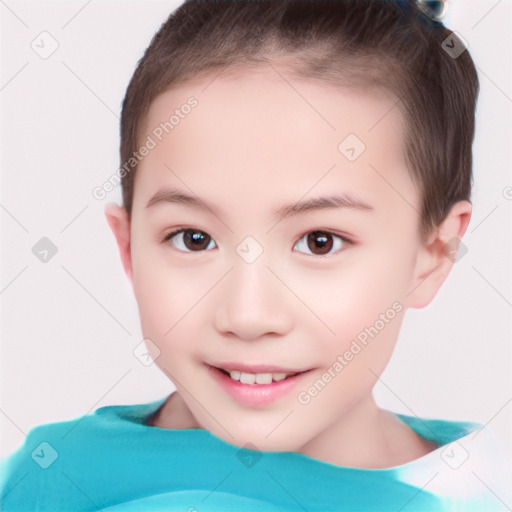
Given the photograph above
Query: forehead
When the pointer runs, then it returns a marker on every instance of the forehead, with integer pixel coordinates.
(264, 127)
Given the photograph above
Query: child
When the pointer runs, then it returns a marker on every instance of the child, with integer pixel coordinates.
(296, 175)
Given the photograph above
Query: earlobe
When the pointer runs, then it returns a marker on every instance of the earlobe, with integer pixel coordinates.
(438, 254)
(119, 222)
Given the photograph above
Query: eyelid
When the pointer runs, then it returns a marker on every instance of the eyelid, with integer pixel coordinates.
(171, 234)
(168, 236)
(344, 237)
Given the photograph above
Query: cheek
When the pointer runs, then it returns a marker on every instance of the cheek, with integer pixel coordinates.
(160, 293)
(358, 308)
(350, 294)
(364, 308)
(172, 300)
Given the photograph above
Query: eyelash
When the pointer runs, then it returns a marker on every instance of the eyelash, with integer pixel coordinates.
(169, 236)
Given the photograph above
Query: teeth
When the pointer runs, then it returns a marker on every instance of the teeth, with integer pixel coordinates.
(247, 378)
(263, 378)
(257, 378)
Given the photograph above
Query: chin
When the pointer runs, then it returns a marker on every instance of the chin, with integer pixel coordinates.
(260, 439)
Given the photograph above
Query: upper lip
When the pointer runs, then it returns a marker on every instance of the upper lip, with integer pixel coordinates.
(256, 368)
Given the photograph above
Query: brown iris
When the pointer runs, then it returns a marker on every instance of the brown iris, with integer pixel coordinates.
(195, 240)
(319, 240)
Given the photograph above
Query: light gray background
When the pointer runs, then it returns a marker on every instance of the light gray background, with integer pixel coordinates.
(69, 326)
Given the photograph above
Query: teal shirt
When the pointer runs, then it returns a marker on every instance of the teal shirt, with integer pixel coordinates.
(112, 460)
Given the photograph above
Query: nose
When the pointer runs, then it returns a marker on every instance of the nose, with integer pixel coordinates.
(253, 303)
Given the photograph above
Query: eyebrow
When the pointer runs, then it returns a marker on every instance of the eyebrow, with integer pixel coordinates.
(343, 200)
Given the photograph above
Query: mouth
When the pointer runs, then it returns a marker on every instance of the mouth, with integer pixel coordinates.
(257, 378)
(256, 385)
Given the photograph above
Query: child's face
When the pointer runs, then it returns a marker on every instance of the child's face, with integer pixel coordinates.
(253, 146)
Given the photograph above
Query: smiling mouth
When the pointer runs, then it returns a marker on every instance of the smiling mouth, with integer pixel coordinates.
(257, 378)
(256, 385)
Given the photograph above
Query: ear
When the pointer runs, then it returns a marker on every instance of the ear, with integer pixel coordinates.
(437, 255)
(119, 222)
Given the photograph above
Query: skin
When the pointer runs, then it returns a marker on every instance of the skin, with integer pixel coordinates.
(254, 143)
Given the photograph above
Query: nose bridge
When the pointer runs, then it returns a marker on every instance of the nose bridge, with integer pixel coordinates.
(250, 281)
(250, 275)
(251, 303)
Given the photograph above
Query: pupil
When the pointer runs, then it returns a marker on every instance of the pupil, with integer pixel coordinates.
(325, 244)
(197, 238)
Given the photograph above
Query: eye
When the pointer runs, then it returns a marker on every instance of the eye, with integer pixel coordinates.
(189, 240)
(321, 242)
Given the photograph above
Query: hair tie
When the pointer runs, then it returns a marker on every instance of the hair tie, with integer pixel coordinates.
(434, 9)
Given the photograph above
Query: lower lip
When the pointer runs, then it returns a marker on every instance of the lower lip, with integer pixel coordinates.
(256, 394)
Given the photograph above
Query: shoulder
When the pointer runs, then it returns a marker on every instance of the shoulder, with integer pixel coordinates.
(29, 472)
(63, 455)
(467, 470)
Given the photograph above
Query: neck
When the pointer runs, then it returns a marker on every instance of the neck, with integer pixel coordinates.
(367, 437)
(364, 437)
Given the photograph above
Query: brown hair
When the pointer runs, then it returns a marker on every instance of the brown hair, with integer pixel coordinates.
(389, 44)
